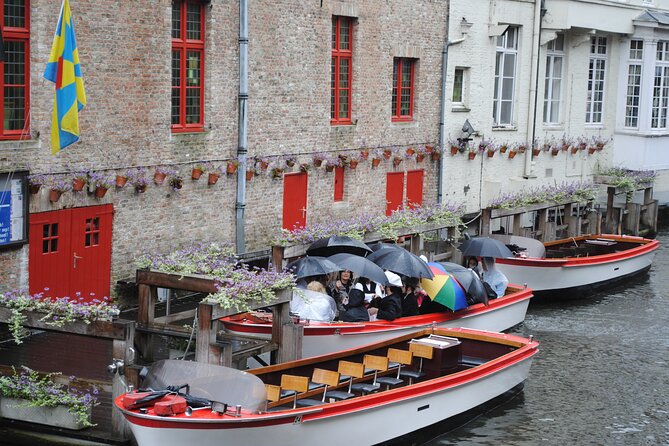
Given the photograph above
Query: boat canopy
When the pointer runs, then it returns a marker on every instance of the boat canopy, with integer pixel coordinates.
(212, 382)
(533, 248)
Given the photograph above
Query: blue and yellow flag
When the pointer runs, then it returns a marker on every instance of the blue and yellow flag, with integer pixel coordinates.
(63, 69)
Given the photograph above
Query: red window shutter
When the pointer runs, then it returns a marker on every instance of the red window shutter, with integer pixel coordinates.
(339, 184)
(414, 188)
(294, 200)
(394, 191)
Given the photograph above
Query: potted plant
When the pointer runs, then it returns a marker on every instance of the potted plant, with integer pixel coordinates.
(79, 180)
(472, 152)
(566, 143)
(197, 171)
(503, 147)
(455, 146)
(176, 182)
(276, 169)
(599, 142)
(410, 152)
(213, 173)
(536, 149)
(290, 160)
(56, 188)
(305, 167)
(364, 154)
(102, 182)
(121, 179)
(31, 397)
(512, 151)
(429, 149)
(353, 160)
(36, 181)
(138, 178)
(582, 143)
(161, 173)
(522, 147)
(231, 166)
(318, 159)
(263, 163)
(435, 153)
(420, 154)
(331, 163)
(387, 153)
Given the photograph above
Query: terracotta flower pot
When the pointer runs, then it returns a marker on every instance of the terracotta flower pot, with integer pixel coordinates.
(78, 184)
(318, 162)
(555, 152)
(34, 188)
(54, 195)
(521, 149)
(454, 150)
(140, 188)
(364, 154)
(212, 179)
(121, 180)
(100, 191)
(231, 168)
(536, 152)
(264, 165)
(329, 168)
(386, 154)
(353, 164)
(565, 147)
(410, 151)
(376, 162)
(503, 149)
(290, 163)
(491, 153)
(420, 157)
(277, 172)
(600, 146)
(159, 178)
(195, 174)
(472, 155)
(512, 154)
(591, 150)
(397, 161)
(434, 156)
(249, 175)
(429, 149)
(574, 150)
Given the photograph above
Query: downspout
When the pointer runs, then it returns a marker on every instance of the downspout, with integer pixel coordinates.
(242, 138)
(539, 11)
(442, 114)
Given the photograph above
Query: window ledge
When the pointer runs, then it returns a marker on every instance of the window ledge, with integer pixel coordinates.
(404, 123)
(510, 128)
(460, 109)
(12, 144)
(553, 127)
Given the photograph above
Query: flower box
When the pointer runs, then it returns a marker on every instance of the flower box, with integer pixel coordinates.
(58, 416)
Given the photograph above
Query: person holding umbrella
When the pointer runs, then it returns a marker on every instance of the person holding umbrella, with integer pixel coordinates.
(390, 307)
(410, 299)
(493, 277)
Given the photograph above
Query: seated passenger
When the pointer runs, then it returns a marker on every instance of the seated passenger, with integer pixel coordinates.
(313, 303)
(390, 307)
(410, 299)
(355, 310)
(493, 277)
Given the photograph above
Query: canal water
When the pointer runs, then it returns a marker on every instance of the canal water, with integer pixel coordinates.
(601, 377)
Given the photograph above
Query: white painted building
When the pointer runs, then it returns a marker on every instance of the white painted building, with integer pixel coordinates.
(600, 68)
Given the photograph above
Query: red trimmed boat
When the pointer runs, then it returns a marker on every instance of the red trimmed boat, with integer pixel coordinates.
(360, 396)
(326, 337)
(568, 268)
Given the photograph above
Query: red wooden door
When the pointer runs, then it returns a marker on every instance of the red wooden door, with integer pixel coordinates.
(414, 188)
(394, 191)
(294, 200)
(70, 252)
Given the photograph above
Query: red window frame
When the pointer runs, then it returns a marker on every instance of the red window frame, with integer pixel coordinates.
(182, 46)
(16, 34)
(339, 184)
(403, 89)
(342, 64)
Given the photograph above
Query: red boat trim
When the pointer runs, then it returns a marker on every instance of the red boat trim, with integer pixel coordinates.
(581, 261)
(423, 320)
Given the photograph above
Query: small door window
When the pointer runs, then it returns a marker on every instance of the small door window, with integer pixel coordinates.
(92, 231)
(49, 238)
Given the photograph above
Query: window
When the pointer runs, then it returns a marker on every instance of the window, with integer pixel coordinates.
(633, 84)
(342, 70)
(658, 112)
(505, 77)
(553, 83)
(14, 91)
(187, 65)
(458, 86)
(596, 76)
(403, 78)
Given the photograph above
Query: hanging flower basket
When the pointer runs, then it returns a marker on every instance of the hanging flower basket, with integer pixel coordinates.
(591, 150)
(521, 149)
(434, 156)
(263, 165)
(304, 167)
(54, 195)
(490, 153)
(231, 168)
(454, 150)
(290, 162)
(159, 178)
(512, 154)
(420, 157)
(429, 149)
(574, 150)
(397, 161)
(376, 162)
(78, 184)
(34, 188)
(249, 175)
(353, 164)
(121, 180)
(502, 149)
(140, 188)
(277, 172)
(364, 154)
(536, 152)
(329, 168)
(318, 162)
(100, 191)
(555, 151)
(472, 155)
(386, 154)
(196, 173)
(411, 151)
(212, 178)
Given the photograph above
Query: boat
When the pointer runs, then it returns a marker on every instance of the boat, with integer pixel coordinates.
(326, 337)
(442, 373)
(571, 267)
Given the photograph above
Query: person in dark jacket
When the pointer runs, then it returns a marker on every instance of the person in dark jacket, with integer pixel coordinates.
(355, 310)
(410, 299)
(390, 307)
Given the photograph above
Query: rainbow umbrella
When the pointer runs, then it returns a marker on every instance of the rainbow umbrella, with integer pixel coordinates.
(444, 289)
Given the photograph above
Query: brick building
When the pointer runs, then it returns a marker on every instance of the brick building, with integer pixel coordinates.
(157, 99)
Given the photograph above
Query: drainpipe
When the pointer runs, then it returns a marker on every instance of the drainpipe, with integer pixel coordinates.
(442, 115)
(539, 11)
(242, 139)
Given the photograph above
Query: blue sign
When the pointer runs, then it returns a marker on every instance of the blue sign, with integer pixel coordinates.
(5, 216)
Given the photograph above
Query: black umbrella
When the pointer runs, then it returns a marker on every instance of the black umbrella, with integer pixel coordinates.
(338, 243)
(380, 245)
(401, 262)
(469, 281)
(312, 266)
(485, 247)
(361, 266)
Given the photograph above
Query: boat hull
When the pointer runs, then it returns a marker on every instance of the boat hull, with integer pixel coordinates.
(570, 278)
(322, 338)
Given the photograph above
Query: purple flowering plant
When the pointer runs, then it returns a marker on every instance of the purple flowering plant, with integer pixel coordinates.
(102, 179)
(37, 179)
(59, 183)
(138, 176)
(56, 311)
(580, 192)
(41, 391)
(238, 285)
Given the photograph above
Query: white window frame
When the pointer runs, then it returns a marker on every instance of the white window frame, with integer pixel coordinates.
(633, 90)
(552, 100)
(596, 67)
(461, 105)
(660, 100)
(506, 48)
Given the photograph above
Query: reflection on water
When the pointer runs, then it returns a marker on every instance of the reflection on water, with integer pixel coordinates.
(601, 377)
